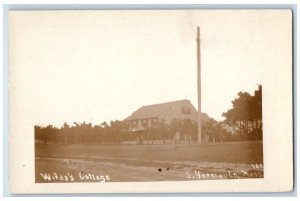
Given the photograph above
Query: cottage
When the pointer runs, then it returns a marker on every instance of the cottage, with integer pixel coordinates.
(151, 116)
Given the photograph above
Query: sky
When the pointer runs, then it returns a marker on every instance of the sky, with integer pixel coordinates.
(96, 66)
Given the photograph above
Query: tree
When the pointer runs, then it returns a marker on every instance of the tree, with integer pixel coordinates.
(246, 113)
(256, 113)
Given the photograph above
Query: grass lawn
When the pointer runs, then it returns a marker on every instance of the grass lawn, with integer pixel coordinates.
(233, 152)
(146, 162)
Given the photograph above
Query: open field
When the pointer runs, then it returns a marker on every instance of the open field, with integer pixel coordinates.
(148, 162)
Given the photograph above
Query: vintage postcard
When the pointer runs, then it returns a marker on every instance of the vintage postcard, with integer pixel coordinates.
(114, 101)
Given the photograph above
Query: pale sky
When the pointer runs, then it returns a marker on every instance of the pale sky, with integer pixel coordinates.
(97, 66)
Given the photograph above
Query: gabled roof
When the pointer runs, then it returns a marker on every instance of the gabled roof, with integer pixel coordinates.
(167, 111)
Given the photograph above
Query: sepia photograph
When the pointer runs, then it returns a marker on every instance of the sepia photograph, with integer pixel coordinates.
(146, 95)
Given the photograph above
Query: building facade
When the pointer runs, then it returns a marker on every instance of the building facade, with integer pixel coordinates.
(152, 115)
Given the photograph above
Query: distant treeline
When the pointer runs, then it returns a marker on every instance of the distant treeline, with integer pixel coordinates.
(243, 122)
(117, 131)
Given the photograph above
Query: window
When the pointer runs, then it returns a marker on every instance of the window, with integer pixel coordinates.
(185, 110)
(145, 122)
(154, 121)
(134, 123)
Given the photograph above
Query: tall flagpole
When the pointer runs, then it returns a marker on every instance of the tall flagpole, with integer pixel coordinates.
(199, 83)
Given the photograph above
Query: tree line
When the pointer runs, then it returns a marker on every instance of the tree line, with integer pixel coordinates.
(245, 116)
(117, 131)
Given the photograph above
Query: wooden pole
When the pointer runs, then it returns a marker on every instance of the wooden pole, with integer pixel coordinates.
(199, 83)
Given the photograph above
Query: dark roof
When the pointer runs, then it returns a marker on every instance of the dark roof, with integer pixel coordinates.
(167, 111)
